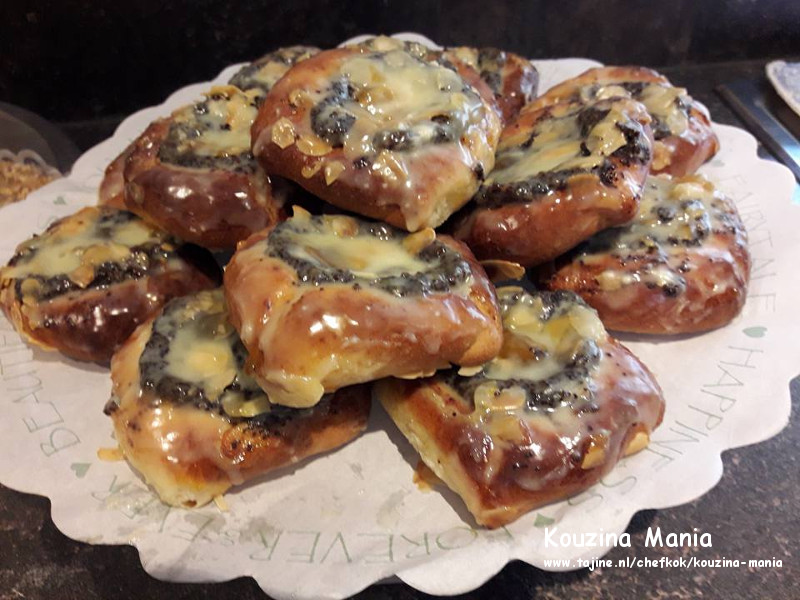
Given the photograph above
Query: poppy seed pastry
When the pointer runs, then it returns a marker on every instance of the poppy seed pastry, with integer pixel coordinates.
(191, 420)
(263, 73)
(512, 79)
(322, 302)
(90, 279)
(681, 266)
(546, 419)
(562, 173)
(682, 131)
(193, 175)
(384, 134)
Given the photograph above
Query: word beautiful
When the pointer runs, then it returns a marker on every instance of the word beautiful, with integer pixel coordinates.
(653, 539)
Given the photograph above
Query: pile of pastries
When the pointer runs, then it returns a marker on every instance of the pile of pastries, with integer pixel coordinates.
(391, 222)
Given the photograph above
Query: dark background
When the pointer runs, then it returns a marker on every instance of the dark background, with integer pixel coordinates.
(70, 60)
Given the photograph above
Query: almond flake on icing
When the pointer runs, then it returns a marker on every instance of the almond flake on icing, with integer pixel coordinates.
(283, 133)
(313, 146)
(332, 171)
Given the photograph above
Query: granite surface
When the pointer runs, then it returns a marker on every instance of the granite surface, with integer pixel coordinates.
(752, 512)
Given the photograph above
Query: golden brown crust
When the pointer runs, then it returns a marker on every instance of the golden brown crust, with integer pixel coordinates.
(408, 189)
(333, 335)
(540, 224)
(214, 208)
(112, 188)
(680, 288)
(499, 483)
(190, 455)
(676, 153)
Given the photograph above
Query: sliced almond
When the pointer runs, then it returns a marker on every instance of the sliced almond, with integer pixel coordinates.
(110, 454)
(596, 454)
(313, 146)
(420, 240)
(222, 505)
(332, 171)
(470, 371)
(300, 213)
(639, 442)
(83, 275)
(501, 270)
(283, 133)
(388, 167)
(343, 226)
(223, 90)
(30, 289)
(417, 375)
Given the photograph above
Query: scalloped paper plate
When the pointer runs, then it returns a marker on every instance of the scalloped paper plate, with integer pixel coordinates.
(335, 524)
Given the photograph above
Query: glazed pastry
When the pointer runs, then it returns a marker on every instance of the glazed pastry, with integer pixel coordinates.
(563, 173)
(681, 125)
(192, 174)
(512, 78)
(264, 73)
(328, 301)
(682, 266)
(87, 282)
(546, 419)
(505, 80)
(381, 133)
(193, 423)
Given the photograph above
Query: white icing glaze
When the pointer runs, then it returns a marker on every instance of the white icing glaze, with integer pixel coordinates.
(558, 144)
(78, 244)
(224, 129)
(676, 218)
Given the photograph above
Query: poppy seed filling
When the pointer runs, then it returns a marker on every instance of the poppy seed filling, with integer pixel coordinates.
(446, 268)
(165, 387)
(569, 387)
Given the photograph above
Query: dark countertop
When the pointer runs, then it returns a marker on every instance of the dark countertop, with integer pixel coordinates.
(752, 512)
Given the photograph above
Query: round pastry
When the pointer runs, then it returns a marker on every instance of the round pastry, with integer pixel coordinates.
(263, 73)
(681, 125)
(546, 419)
(682, 266)
(192, 174)
(381, 133)
(193, 423)
(90, 279)
(512, 78)
(328, 301)
(563, 173)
